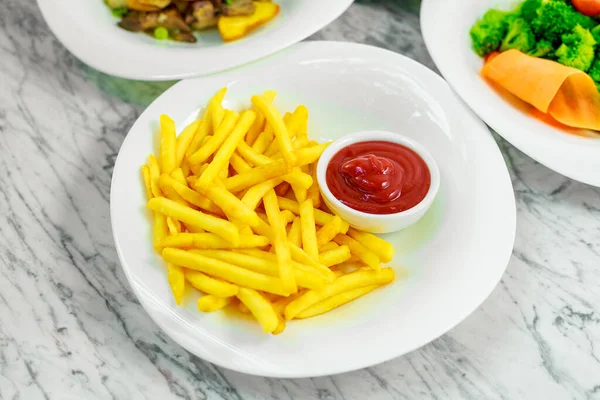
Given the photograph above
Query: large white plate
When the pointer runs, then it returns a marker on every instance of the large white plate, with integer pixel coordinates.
(445, 26)
(447, 264)
(89, 31)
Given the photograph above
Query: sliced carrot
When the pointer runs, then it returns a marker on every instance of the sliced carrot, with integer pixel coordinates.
(567, 94)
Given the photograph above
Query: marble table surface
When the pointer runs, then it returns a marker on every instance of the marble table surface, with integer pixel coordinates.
(70, 327)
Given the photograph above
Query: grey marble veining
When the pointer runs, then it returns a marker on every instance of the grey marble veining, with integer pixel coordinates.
(70, 327)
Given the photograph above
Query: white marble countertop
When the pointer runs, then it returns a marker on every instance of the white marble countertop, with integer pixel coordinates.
(70, 327)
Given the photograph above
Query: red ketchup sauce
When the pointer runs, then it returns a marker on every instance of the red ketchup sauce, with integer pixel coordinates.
(378, 177)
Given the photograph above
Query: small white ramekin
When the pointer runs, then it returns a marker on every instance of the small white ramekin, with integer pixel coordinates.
(377, 223)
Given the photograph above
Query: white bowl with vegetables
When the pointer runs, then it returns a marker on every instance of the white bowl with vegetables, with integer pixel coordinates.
(531, 105)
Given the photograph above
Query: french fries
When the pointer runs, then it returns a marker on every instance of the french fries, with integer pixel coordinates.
(226, 223)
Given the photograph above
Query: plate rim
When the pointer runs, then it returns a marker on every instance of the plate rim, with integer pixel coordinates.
(344, 369)
(67, 39)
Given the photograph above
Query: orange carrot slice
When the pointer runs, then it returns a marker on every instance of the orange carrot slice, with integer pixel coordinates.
(567, 94)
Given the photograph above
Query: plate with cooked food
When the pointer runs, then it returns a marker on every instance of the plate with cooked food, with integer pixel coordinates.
(176, 39)
(273, 218)
(530, 69)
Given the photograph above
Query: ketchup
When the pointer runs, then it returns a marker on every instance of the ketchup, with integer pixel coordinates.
(378, 177)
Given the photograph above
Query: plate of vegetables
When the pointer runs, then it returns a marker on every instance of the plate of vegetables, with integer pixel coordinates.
(530, 69)
(175, 39)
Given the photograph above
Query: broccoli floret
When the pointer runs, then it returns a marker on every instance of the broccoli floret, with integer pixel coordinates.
(542, 48)
(594, 71)
(555, 18)
(596, 33)
(487, 33)
(528, 9)
(578, 49)
(519, 37)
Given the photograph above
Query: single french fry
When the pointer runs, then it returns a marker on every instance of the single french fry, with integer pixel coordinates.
(231, 205)
(259, 123)
(335, 256)
(275, 120)
(313, 191)
(260, 307)
(280, 242)
(357, 249)
(220, 227)
(255, 194)
(210, 303)
(216, 140)
(295, 233)
(154, 175)
(300, 193)
(238, 163)
(342, 284)
(256, 175)
(224, 153)
(251, 155)
(228, 272)
(384, 250)
(168, 138)
(329, 231)
(327, 246)
(146, 179)
(336, 301)
(303, 129)
(224, 173)
(306, 155)
(210, 241)
(176, 281)
(196, 229)
(256, 261)
(309, 234)
(246, 231)
(280, 326)
(210, 285)
(218, 113)
(206, 124)
(160, 230)
(183, 141)
(173, 226)
(298, 179)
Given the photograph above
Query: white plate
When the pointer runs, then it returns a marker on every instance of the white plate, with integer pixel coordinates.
(89, 31)
(445, 26)
(453, 257)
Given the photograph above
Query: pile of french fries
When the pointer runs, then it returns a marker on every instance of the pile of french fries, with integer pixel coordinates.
(238, 216)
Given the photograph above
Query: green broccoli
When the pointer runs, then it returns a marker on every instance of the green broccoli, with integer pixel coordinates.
(528, 9)
(555, 18)
(519, 36)
(543, 48)
(596, 33)
(487, 33)
(594, 71)
(578, 49)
